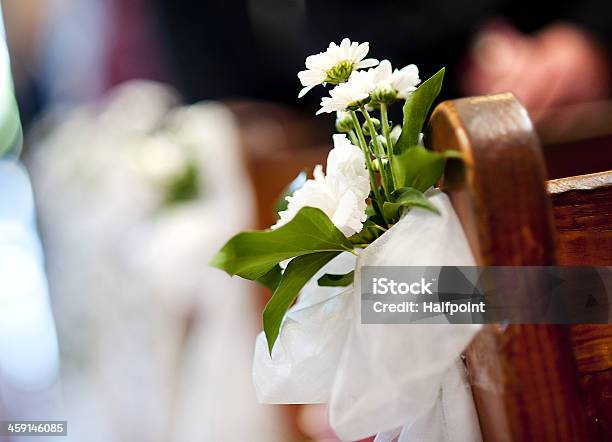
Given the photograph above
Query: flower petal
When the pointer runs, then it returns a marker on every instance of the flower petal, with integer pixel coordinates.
(305, 90)
(367, 63)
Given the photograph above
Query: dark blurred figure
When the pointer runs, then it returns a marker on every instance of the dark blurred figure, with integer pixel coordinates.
(548, 53)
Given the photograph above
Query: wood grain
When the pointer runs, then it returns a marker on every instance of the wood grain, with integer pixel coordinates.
(582, 207)
(524, 377)
(499, 191)
(524, 384)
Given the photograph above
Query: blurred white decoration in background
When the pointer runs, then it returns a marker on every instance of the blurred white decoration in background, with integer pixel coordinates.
(155, 344)
(29, 357)
(405, 381)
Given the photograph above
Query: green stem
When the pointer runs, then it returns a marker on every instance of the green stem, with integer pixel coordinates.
(377, 204)
(387, 131)
(353, 138)
(380, 154)
(376, 226)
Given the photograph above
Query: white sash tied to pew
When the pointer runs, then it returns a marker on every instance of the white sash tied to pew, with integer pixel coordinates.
(405, 382)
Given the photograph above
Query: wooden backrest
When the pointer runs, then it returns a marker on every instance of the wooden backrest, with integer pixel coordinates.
(582, 208)
(530, 382)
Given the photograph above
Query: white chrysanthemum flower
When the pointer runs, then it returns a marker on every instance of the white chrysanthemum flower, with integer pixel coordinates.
(381, 78)
(341, 193)
(335, 65)
(346, 159)
(388, 84)
(405, 80)
(348, 95)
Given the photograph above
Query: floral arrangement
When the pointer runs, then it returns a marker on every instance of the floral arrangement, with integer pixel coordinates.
(375, 173)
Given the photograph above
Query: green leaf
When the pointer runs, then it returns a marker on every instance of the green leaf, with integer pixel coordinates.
(406, 197)
(416, 108)
(253, 254)
(271, 279)
(420, 168)
(296, 275)
(370, 231)
(331, 280)
(388, 175)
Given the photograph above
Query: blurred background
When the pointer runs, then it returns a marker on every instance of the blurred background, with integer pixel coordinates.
(155, 129)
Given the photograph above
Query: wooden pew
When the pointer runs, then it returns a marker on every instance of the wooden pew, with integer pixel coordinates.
(530, 382)
(582, 209)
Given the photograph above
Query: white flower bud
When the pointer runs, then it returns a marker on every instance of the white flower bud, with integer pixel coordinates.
(379, 163)
(366, 126)
(344, 122)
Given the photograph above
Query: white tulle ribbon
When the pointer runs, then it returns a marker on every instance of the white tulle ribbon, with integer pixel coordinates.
(401, 381)
(307, 352)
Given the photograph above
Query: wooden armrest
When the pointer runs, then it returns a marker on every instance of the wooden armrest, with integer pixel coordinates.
(499, 191)
(524, 377)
